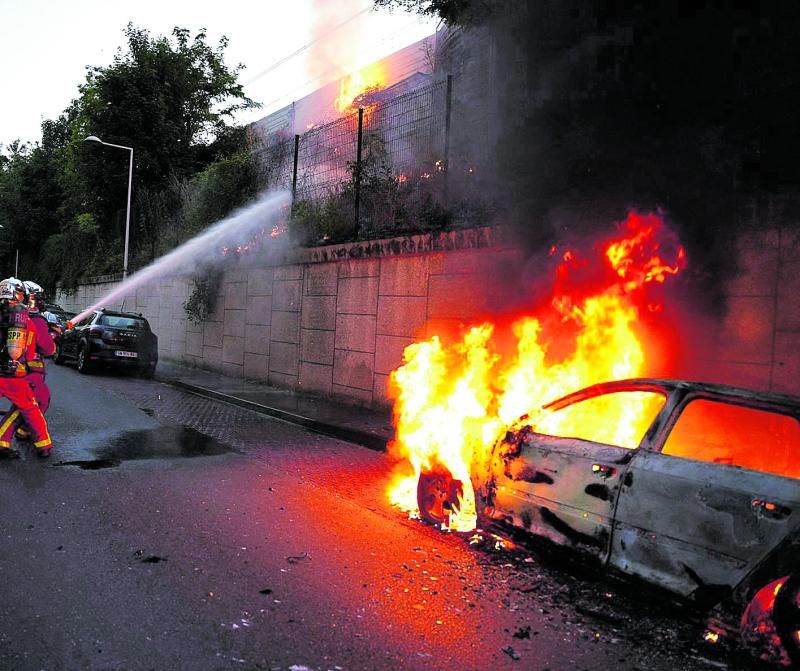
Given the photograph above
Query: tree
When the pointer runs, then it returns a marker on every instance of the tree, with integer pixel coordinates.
(464, 12)
(171, 101)
(31, 198)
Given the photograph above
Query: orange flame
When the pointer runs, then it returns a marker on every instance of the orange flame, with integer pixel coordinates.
(452, 402)
(636, 259)
(354, 86)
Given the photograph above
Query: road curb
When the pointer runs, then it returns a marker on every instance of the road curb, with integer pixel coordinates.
(363, 438)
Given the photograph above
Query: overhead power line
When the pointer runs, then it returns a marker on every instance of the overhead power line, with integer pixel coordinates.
(305, 47)
(325, 77)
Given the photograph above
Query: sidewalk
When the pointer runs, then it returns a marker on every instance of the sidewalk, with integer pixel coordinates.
(362, 426)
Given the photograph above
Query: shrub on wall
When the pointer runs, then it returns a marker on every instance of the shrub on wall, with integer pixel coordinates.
(203, 299)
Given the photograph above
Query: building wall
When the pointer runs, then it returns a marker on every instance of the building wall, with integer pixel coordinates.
(335, 320)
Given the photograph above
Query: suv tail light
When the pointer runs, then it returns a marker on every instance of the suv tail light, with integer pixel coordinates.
(98, 332)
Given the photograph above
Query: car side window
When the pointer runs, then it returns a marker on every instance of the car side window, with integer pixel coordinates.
(736, 435)
(619, 418)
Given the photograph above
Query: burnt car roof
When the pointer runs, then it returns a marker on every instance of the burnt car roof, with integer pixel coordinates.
(668, 386)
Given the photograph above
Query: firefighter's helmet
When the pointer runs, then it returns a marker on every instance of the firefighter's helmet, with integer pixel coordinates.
(35, 295)
(12, 290)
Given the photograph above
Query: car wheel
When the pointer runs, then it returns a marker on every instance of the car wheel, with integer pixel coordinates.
(765, 629)
(58, 357)
(83, 361)
(438, 494)
(786, 615)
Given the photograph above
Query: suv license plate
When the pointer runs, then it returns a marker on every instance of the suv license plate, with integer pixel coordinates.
(132, 355)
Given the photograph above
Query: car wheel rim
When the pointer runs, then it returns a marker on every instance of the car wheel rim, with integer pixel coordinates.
(438, 495)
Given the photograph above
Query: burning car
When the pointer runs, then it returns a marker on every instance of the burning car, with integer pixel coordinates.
(692, 487)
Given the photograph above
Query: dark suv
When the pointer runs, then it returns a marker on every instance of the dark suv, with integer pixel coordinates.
(106, 337)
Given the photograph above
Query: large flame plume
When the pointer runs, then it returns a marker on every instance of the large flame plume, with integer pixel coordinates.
(355, 86)
(452, 401)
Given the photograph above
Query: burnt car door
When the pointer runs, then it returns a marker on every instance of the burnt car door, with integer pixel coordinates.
(715, 492)
(560, 478)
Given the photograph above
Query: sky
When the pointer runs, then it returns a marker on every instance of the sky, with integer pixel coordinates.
(46, 45)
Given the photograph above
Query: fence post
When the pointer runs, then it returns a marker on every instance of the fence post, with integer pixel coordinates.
(357, 176)
(294, 169)
(448, 111)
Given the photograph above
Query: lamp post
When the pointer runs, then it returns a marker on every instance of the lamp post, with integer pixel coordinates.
(94, 138)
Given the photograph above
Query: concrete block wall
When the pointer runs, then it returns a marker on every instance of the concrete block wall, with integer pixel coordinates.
(756, 341)
(334, 321)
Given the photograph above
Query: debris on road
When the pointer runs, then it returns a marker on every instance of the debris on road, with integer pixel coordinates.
(297, 558)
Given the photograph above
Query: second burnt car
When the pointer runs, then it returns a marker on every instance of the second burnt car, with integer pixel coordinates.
(692, 487)
(110, 338)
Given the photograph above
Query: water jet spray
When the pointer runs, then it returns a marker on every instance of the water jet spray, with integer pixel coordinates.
(263, 216)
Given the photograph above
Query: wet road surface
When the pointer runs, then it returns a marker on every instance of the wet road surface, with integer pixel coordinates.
(169, 531)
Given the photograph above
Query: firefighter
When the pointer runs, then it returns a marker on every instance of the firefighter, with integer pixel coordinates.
(18, 338)
(43, 349)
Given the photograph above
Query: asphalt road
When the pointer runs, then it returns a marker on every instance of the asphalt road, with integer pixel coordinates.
(169, 531)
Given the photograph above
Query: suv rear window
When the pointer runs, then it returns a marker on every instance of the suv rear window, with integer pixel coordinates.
(735, 435)
(122, 322)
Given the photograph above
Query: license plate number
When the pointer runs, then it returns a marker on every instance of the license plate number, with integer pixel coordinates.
(131, 355)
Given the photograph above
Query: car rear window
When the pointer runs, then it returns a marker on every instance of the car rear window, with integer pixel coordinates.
(736, 435)
(122, 322)
(619, 418)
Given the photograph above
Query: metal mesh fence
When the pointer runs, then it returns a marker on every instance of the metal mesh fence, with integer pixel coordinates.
(397, 185)
(409, 130)
(275, 161)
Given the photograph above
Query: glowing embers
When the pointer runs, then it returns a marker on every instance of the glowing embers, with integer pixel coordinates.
(452, 400)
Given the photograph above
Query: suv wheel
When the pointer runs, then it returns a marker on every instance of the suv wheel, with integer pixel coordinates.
(83, 361)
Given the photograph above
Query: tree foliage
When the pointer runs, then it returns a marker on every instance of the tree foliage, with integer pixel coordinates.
(453, 12)
(63, 201)
(169, 100)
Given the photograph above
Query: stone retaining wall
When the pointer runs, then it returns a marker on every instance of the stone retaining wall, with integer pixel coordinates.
(335, 320)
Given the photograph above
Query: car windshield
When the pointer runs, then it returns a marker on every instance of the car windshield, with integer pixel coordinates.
(122, 322)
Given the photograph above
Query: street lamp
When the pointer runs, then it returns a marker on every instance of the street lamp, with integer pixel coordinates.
(94, 138)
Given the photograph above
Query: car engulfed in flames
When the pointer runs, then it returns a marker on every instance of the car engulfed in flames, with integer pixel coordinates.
(691, 487)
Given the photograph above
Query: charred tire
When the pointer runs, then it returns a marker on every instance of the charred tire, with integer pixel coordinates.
(83, 362)
(438, 494)
(787, 617)
(58, 357)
